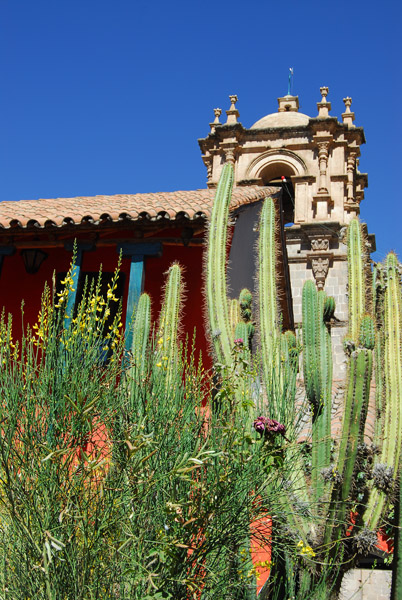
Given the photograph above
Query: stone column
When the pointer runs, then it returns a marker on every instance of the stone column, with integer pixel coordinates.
(323, 162)
(350, 167)
(230, 155)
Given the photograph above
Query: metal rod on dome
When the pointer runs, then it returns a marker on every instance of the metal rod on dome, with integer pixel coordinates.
(290, 82)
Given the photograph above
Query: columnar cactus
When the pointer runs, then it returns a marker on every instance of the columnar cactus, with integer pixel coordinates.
(234, 314)
(389, 378)
(317, 356)
(351, 437)
(396, 591)
(319, 500)
(268, 295)
(241, 339)
(356, 277)
(378, 288)
(169, 324)
(245, 304)
(141, 327)
(216, 288)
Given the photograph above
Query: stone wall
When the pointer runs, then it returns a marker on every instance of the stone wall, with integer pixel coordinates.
(331, 274)
(366, 584)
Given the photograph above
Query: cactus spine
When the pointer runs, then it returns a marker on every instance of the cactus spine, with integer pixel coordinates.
(352, 434)
(169, 322)
(216, 291)
(141, 327)
(367, 333)
(356, 277)
(318, 380)
(234, 315)
(241, 333)
(245, 303)
(396, 591)
(378, 315)
(269, 318)
(392, 369)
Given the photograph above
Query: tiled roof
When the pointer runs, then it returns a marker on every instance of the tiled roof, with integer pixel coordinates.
(60, 212)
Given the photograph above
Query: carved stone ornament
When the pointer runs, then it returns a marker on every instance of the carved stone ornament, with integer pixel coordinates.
(323, 164)
(350, 168)
(217, 113)
(320, 244)
(320, 267)
(207, 160)
(230, 157)
(232, 113)
(342, 234)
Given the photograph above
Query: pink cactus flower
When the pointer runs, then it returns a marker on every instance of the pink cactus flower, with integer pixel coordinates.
(266, 426)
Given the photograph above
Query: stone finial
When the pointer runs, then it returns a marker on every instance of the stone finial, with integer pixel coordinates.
(348, 116)
(323, 107)
(288, 104)
(232, 113)
(233, 99)
(347, 102)
(324, 93)
(217, 113)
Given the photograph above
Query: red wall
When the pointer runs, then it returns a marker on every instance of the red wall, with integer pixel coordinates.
(17, 285)
(191, 260)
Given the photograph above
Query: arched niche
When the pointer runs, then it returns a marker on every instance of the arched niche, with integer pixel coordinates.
(271, 167)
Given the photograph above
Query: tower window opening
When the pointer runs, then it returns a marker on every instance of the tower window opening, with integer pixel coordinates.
(279, 175)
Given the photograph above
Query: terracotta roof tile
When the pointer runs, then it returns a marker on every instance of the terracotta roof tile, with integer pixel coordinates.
(60, 212)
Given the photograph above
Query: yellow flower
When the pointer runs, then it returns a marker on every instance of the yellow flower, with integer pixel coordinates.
(305, 550)
(159, 364)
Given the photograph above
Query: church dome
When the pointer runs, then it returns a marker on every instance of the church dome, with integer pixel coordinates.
(282, 119)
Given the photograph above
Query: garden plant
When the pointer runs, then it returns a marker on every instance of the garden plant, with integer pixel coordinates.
(343, 487)
(142, 476)
(116, 479)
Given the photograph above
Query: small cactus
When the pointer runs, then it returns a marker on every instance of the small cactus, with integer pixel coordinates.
(329, 309)
(367, 333)
(245, 302)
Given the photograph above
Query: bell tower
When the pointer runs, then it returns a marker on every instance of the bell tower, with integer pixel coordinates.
(314, 160)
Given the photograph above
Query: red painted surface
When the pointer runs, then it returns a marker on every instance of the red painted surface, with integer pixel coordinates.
(384, 542)
(261, 551)
(192, 314)
(17, 285)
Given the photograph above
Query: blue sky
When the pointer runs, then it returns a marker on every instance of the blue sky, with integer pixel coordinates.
(89, 85)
